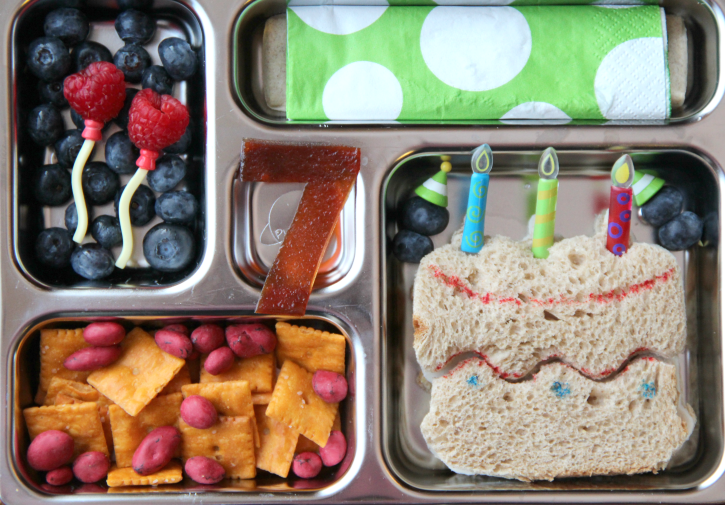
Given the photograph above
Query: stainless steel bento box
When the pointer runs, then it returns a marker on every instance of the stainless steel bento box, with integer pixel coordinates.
(367, 294)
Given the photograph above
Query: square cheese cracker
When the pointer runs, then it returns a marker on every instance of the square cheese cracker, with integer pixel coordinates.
(103, 403)
(55, 347)
(230, 399)
(139, 375)
(180, 379)
(295, 404)
(258, 371)
(312, 349)
(129, 431)
(74, 389)
(278, 442)
(80, 420)
(170, 474)
(230, 442)
(304, 444)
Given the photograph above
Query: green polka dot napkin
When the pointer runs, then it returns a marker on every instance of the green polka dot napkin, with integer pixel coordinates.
(418, 63)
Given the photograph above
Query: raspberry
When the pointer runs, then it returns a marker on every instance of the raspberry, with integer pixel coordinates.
(96, 92)
(156, 121)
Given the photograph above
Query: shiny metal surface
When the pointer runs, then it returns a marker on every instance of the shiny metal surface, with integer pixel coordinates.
(359, 301)
(262, 214)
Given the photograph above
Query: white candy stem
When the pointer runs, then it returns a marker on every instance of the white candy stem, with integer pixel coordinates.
(124, 216)
(77, 186)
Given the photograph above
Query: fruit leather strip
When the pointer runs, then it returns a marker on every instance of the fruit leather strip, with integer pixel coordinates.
(279, 162)
(289, 282)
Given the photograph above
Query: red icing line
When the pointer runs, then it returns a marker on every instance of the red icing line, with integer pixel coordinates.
(456, 283)
(483, 360)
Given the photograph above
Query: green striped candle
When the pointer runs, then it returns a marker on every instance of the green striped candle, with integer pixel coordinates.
(546, 204)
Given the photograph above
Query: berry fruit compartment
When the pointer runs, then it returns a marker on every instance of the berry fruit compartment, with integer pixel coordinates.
(584, 183)
(172, 20)
(25, 365)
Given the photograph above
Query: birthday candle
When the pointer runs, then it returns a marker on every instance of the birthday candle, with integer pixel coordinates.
(620, 206)
(481, 163)
(546, 204)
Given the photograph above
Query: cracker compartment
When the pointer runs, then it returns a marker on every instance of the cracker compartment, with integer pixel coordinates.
(237, 444)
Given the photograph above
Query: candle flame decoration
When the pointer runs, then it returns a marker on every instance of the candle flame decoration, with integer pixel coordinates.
(549, 164)
(482, 159)
(623, 172)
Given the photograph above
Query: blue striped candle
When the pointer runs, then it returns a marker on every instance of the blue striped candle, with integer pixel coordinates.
(473, 228)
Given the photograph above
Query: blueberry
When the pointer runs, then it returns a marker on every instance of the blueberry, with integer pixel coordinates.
(410, 247)
(77, 120)
(122, 119)
(663, 207)
(52, 93)
(132, 60)
(69, 25)
(169, 171)
(169, 247)
(92, 261)
(100, 183)
(177, 207)
(142, 205)
(711, 228)
(135, 26)
(682, 232)
(423, 217)
(156, 78)
(178, 58)
(134, 4)
(89, 52)
(67, 148)
(182, 144)
(52, 185)
(121, 154)
(54, 247)
(71, 218)
(106, 231)
(45, 125)
(48, 59)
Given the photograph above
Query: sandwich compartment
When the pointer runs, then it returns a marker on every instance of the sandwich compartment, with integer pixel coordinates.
(584, 182)
(701, 21)
(173, 20)
(24, 365)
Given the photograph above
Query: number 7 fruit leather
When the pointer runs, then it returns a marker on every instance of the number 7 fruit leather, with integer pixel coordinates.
(329, 173)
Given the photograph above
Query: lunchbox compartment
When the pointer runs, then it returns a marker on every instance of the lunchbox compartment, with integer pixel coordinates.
(25, 367)
(583, 192)
(174, 19)
(261, 215)
(701, 21)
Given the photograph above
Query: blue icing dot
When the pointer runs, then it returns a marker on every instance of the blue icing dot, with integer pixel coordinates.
(648, 389)
(561, 390)
(473, 380)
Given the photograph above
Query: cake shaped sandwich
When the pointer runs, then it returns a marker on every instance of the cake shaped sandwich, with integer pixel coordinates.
(531, 335)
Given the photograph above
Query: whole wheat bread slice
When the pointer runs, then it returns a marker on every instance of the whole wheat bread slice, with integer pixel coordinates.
(583, 305)
(560, 424)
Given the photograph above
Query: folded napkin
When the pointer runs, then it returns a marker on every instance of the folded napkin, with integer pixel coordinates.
(417, 63)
